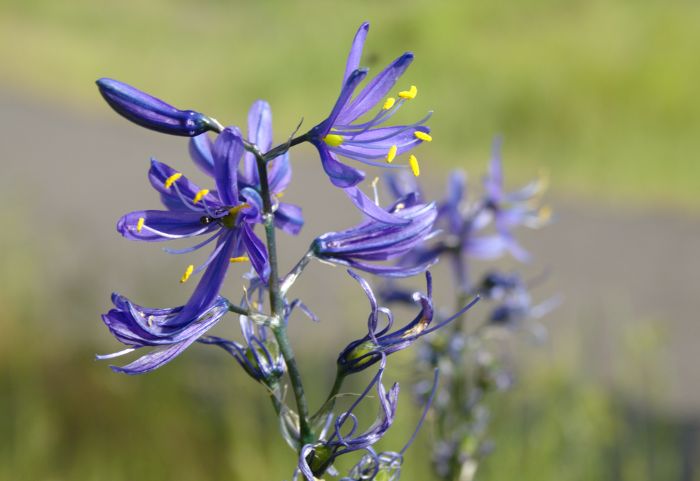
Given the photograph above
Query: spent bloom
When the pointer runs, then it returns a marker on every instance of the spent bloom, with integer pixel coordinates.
(315, 459)
(379, 342)
(152, 113)
(341, 134)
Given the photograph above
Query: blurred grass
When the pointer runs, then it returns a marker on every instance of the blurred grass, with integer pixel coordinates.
(600, 93)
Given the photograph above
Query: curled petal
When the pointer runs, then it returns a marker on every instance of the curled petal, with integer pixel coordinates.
(341, 175)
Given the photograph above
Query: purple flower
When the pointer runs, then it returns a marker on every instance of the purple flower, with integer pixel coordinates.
(152, 113)
(315, 459)
(512, 209)
(221, 214)
(164, 329)
(287, 217)
(379, 342)
(360, 246)
(259, 357)
(341, 134)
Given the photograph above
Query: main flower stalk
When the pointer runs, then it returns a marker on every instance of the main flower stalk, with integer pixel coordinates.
(277, 302)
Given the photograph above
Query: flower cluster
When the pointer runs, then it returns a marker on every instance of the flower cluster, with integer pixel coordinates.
(236, 217)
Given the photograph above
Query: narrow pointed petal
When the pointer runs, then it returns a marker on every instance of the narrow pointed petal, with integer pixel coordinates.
(288, 217)
(369, 208)
(349, 87)
(228, 150)
(260, 125)
(353, 62)
(166, 224)
(375, 91)
(257, 253)
(279, 173)
(159, 175)
(154, 359)
(201, 153)
(207, 290)
(150, 112)
(341, 175)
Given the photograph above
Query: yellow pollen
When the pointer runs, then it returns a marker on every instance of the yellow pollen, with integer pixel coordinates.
(235, 210)
(413, 162)
(410, 93)
(425, 137)
(391, 154)
(240, 259)
(333, 140)
(200, 195)
(187, 274)
(389, 103)
(140, 223)
(544, 214)
(171, 180)
(279, 195)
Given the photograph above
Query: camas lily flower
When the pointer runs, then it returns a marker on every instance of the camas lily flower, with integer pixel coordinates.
(513, 209)
(226, 214)
(341, 134)
(287, 217)
(152, 113)
(315, 459)
(360, 246)
(379, 342)
(164, 329)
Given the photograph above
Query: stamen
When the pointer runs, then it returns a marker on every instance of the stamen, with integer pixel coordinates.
(391, 154)
(150, 321)
(170, 180)
(187, 274)
(409, 94)
(389, 103)
(333, 140)
(375, 190)
(413, 162)
(199, 195)
(420, 135)
(236, 209)
(544, 214)
(240, 259)
(139, 224)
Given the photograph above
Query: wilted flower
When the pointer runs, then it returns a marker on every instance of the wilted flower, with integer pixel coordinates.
(259, 357)
(341, 134)
(360, 246)
(152, 113)
(287, 217)
(379, 342)
(315, 459)
(165, 329)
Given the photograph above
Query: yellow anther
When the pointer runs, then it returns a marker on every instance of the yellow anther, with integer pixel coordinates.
(140, 223)
(333, 140)
(413, 162)
(375, 181)
(410, 93)
(544, 214)
(150, 321)
(171, 180)
(420, 135)
(240, 259)
(389, 103)
(235, 210)
(187, 274)
(391, 154)
(279, 195)
(200, 195)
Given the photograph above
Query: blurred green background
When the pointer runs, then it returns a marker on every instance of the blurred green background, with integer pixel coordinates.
(599, 94)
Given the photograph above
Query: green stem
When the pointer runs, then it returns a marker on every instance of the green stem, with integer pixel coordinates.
(330, 400)
(277, 302)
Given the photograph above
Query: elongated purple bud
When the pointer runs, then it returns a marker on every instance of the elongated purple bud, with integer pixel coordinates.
(152, 113)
